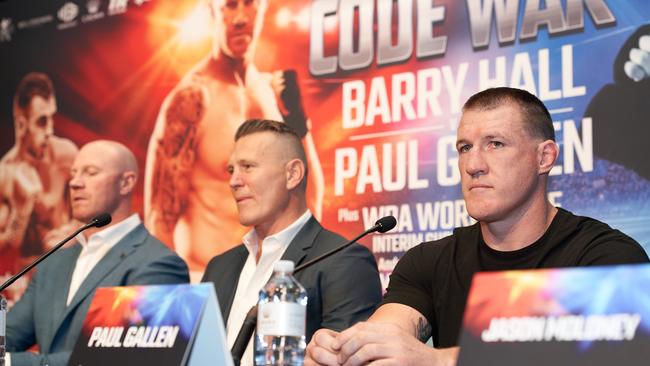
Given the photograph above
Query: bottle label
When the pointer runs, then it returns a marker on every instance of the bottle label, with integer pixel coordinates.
(281, 319)
(3, 318)
(3, 324)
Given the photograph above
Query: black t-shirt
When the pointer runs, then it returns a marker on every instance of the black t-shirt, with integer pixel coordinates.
(434, 277)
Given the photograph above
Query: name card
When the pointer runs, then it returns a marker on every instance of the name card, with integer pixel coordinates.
(573, 316)
(153, 325)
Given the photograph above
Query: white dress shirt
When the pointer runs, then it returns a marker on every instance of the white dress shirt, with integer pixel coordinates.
(254, 276)
(95, 248)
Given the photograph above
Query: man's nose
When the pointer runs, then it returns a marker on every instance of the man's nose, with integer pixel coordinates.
(235, 180)
(474, 162)
(75, 182)
(49, 130)
(241, 17)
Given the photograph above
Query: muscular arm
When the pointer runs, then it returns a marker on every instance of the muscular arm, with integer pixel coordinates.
(64, 153)
(392, 336)
(416, 325)
(20, 186)
(395, 333)
(170, 158)
(405, 317)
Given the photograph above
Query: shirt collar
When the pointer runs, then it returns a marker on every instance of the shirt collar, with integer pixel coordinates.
(112, 234)
(284, 236)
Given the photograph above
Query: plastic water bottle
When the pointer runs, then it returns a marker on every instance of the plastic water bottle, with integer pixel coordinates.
(3, 329)
(281, 319)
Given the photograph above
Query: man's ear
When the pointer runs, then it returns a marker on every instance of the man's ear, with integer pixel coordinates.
(547, 154)
(20, 124)
(295, 170)
(127, 183)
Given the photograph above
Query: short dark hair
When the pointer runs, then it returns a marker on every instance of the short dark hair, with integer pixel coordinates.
(32, 85)
(252, 126)
(536, 117)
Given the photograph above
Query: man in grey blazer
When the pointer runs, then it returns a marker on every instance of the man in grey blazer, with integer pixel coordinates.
(51, 312)
(268, 172)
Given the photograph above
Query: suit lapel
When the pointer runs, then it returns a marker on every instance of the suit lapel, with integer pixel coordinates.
(58, 285)
(115, 256)
(297, 249)
(227, 282)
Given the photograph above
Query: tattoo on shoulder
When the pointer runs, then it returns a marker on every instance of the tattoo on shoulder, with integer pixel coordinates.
(176, 154)
(423, 330)
(183, 115)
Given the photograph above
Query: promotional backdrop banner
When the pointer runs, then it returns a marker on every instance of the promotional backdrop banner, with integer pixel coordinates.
(375, 88)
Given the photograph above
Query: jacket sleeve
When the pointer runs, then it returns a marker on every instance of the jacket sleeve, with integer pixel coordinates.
(21, 330)
(351, 289)
(35, 359)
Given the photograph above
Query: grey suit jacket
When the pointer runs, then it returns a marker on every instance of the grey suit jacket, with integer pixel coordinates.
(342, 289)
(41, 315)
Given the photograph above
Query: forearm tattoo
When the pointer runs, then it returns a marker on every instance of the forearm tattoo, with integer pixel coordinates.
(423, 330)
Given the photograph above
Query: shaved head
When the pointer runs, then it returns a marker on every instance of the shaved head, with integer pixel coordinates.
(114, 152)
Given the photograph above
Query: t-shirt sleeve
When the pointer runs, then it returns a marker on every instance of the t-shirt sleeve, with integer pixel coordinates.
(411, 281)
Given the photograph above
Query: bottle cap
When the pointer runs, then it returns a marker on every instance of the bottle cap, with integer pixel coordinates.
(283, 266)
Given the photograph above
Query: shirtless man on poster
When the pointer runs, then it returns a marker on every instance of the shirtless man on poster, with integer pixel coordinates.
(187, 197)
(34, 173)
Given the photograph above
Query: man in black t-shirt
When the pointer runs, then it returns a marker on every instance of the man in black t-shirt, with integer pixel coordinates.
(506, 146)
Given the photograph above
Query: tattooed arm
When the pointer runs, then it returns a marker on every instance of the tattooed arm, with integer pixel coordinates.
(393, 335)
(170, 157)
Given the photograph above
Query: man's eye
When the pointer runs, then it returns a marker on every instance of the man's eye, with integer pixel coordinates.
(464, 148)
(89, 172)
(496, 144)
